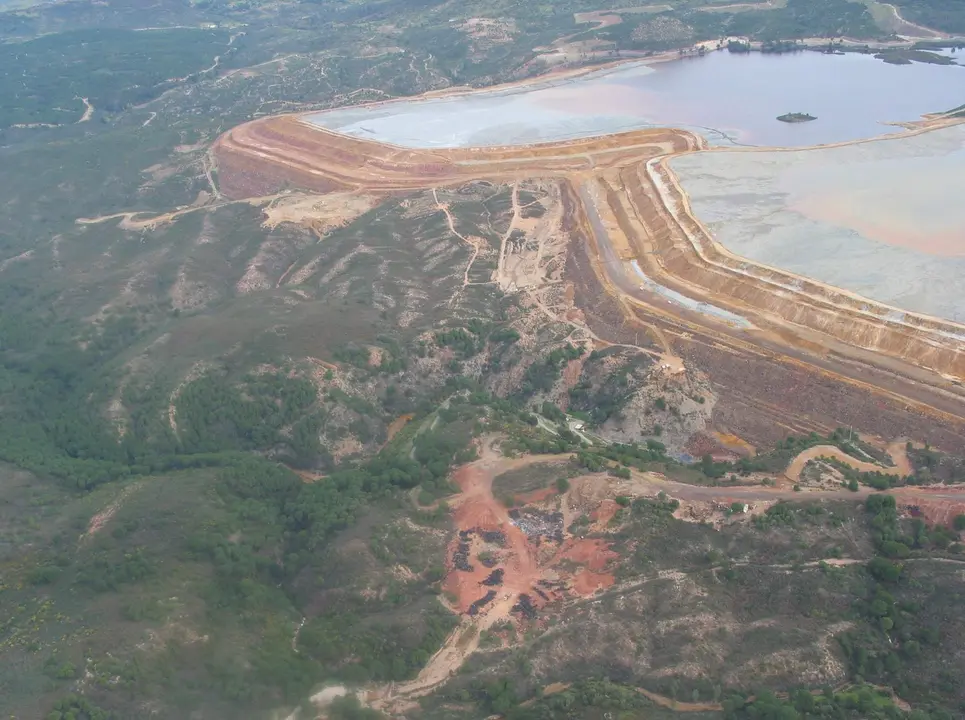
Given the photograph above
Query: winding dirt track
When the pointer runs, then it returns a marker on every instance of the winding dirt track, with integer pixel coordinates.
(626, 205)
(793, 471)
(476, 507)
(896, 451)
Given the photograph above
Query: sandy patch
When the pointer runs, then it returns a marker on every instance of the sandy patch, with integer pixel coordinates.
(320, 213)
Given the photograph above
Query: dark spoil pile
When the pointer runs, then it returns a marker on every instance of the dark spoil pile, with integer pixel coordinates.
(482, 602)
(460, 558)
(495, 578)
(525, 607)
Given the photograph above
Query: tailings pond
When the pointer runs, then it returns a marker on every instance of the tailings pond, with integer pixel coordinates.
(884, 219)
(728, 98)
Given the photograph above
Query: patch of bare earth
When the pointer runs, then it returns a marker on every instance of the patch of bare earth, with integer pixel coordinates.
(319, 213)
(101, 519)
(17, 258)
(196, 371)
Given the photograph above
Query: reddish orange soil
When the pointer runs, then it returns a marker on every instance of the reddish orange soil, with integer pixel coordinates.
(535, 569)
(625, 181)
(587, 583)
(604, 514)
(477, 509)
(547, 573)
(283, 150)
(933, 511)
(524, 562)
(571, 373)
(735, 443)
(397, 424)
(308, 476)
(594, 554)
(467, 587)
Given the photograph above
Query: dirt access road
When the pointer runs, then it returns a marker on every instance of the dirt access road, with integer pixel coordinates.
(525, 563)
(474, 507)
(625, 180)
(896, 450)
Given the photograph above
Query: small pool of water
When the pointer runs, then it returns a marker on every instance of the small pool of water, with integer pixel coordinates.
(729, 98)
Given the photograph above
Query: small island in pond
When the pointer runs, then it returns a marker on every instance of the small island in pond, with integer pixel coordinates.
(796, 118)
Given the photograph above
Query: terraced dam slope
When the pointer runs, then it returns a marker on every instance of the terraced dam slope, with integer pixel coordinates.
(648, 250)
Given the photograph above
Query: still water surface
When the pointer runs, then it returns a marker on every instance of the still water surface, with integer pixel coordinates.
(728, 98)
(883, 219)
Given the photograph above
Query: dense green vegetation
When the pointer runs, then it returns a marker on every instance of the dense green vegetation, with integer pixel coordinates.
(382, 652)
(933, 466)
(163, 557)
(214, 414)
(862, 702)
(544, 372)
(584, 699)
(606, 399)
(906, 57)
(797, 19)
(627, 455)
(77, 707)
(899, 641)
(113, 69)
(472, 339)
(590, 697)
(937, 14)
(266, 547)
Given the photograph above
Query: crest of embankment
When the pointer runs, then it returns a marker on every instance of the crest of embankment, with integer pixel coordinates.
(654, 224)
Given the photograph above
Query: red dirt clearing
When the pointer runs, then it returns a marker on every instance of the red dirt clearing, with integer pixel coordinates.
(587, 583)
(604, 514)
(934, 512)
(594, 554)
(476, 511)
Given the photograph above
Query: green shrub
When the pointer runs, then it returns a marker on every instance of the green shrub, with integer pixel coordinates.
(43, 574)
(884, 571)
(894, 549)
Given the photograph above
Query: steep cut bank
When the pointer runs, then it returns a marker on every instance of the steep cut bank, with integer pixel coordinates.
(644, 217)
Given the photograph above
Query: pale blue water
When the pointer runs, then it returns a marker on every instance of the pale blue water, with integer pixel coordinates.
(729, 98)
(883, 219)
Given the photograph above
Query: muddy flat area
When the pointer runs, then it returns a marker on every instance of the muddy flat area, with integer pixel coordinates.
(883, 219)
(729, 98)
